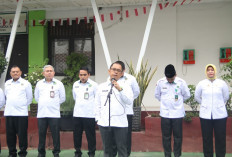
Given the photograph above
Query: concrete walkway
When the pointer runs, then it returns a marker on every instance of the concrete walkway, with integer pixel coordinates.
(70, 153)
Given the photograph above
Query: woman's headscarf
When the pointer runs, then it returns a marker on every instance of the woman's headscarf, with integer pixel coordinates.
(215, 71)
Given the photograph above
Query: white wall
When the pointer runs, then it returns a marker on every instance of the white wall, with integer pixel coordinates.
(204, 27)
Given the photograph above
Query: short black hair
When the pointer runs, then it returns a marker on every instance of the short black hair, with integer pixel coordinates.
(120, 63)
(84, 68)
(15, 66)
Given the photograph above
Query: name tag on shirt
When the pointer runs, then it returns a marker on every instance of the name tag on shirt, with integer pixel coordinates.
(86, 95)
(52, 94)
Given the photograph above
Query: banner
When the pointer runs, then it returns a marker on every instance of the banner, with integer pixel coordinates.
(6, 23)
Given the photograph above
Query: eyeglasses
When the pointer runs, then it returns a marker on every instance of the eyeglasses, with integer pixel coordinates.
(116, 70)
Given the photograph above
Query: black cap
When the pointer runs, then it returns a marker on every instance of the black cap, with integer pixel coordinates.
(169, 71)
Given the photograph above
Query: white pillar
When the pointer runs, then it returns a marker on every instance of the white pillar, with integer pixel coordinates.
(101, 33)
(146, 35)
(11, 40)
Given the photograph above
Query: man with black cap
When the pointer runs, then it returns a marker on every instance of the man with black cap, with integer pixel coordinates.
(171, 91)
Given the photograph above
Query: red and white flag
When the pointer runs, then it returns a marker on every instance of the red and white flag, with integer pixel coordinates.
(43, 22)
(111, 17)
(136, 12)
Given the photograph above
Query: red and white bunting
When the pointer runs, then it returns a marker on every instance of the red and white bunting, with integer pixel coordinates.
(183, 2)
(136, 12)
(127, 13)
(43, 22)
(33, 23)
(174, 4)
(102, 18)
(61, 22)
(77, 19)
(11, 22)
(144, 10)
(3, 22)
(160, 6)
(166, 5)
(112, 16)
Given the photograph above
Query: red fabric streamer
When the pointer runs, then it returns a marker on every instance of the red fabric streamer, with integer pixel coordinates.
(166, 4)
(127, 13)
(160, 5)
(111, 16)
(144, 10)
(175, 3)
(183, 2)
(136, 12)
(102, 17)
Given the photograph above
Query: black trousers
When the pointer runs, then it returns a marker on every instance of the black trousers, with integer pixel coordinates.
(218, 126)
(87, 124)
(171, 126)
(17, 125)
(120, 136)
(54, 125)
(129, 134)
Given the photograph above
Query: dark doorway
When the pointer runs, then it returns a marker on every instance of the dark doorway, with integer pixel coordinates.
(19, 54)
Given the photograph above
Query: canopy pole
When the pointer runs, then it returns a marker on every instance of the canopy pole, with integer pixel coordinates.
(101, 33)
(11, 40)
(146, 35)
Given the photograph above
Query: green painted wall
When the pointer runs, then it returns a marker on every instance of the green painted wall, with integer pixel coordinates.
(38, 38)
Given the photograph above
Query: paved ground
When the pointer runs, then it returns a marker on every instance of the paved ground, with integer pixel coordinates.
(70, 153)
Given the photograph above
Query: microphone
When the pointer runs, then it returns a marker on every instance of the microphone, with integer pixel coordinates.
(112, 79)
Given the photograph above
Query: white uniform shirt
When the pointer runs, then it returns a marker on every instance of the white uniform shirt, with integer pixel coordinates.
(212, 96)
(48, 106)
(118, 117)
(131, 81)
(171, 97)
(84, 95)
(18, 97)
(2, 98)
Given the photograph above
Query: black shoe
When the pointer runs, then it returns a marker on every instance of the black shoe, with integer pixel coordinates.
(56, 155)
(77, 155)
(41, 155)
(91, 155)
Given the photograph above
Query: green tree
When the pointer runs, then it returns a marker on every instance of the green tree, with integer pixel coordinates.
(3, 63)
(74, 62)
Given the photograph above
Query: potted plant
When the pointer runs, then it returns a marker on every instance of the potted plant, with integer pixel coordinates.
(227, 76)
(143, 77)
(191, 102)
(33, 76)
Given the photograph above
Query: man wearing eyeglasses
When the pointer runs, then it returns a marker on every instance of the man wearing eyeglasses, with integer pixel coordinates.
(111, 113)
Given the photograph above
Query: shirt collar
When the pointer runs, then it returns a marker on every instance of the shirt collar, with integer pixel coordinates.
(19, 80)
(53, 81)
(87, 82)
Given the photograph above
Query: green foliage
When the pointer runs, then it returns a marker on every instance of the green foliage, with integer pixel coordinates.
(67, 107)
(227, 76)
(227, 69)
(74, 62)
(3, 63)
(143, 78)
(191, 101)
(35, 73)
(189, 115)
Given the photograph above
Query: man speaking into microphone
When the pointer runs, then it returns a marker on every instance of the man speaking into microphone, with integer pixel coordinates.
(111, 111)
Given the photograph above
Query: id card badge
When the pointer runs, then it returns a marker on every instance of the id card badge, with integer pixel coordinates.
(52, 94)
(176, 97)
(86, 95)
